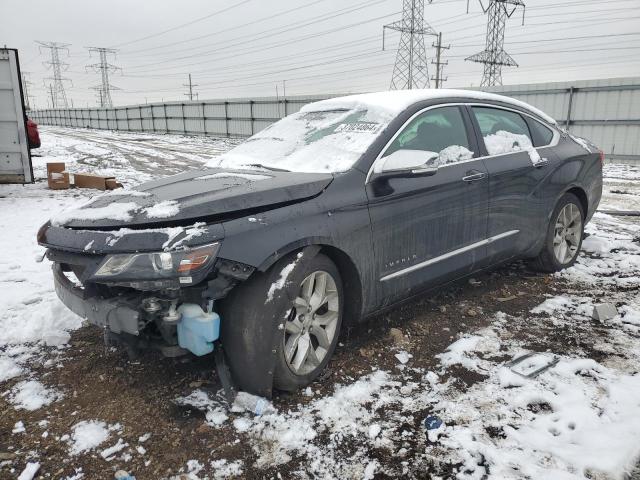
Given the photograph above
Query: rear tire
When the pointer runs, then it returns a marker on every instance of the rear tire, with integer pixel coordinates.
(563, 239)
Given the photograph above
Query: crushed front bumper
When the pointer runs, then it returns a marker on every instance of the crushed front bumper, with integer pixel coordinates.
(116, 314)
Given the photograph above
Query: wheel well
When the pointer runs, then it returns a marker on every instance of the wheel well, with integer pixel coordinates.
(582, 196)
(350, 281)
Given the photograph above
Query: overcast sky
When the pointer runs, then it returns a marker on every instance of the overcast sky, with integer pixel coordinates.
(248, 47)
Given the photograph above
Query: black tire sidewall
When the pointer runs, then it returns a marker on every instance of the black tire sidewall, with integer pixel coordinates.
(566, 199)
(285, 378)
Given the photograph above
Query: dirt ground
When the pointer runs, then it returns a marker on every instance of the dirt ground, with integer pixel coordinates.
(140, 393)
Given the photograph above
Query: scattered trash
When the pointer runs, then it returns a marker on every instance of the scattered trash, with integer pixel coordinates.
(252, 403)
(57, 176)
(532, 364)
(122, 475)
(99, 182)
(506, 299)
(397, 336)
(403, 357)
(432, 422)
(604, 311)
(434, 427)
(472, 312)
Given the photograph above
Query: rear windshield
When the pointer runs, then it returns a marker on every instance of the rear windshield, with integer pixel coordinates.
(323, 141)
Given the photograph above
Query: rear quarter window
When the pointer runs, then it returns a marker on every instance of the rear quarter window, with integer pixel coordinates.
(541, 134)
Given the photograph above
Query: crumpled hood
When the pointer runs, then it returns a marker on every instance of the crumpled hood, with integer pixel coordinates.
(200, 195)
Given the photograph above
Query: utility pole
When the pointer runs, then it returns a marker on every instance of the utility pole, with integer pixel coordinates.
(59, 97)
(53, 104)
(104, 67)
(493, 56)
(191, 95)
(410, 70)
(439, 79)
(25, 89)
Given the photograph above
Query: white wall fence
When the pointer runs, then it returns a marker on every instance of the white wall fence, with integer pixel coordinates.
(604, 111)
(227, 118)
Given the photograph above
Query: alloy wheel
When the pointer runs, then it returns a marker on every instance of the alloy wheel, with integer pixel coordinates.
(311, 326)
(568, 229)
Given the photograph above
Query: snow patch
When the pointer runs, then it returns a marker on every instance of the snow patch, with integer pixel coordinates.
(245, 176)
(506, 142)
(88, 435)
(115, 211)
(166, 209)
(32, 395)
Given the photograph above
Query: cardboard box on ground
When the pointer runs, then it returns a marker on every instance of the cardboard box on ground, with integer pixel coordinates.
(58, 178)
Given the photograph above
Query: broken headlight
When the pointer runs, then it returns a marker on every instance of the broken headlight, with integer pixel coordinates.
(180, 264)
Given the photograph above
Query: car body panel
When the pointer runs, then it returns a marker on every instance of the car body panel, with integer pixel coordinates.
(205, 195)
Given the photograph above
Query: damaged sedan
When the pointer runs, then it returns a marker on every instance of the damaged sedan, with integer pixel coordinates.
(326, 217)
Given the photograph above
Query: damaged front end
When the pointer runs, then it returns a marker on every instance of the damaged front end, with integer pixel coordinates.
(147, 288)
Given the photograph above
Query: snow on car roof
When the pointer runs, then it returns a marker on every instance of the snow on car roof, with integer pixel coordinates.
(391, 103)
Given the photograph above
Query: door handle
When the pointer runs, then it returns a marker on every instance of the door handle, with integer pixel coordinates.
(474, 177)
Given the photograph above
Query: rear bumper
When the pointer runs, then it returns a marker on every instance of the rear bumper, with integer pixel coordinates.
(116, 314)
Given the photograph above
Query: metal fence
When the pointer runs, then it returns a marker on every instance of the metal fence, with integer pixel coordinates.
(604, 111)
(228, 118)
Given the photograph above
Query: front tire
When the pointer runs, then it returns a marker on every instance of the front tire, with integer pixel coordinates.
(564, 236)
(312, 326)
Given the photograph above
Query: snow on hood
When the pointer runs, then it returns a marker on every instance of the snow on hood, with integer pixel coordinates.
(390, 104)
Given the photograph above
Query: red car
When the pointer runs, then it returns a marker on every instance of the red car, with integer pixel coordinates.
(32, 134)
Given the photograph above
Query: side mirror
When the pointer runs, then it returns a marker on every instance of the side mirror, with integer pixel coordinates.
(407, 163)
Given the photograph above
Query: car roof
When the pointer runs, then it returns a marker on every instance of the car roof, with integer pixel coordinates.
(390, 103)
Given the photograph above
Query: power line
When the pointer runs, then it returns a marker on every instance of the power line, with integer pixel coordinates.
(182, 25)
(493, 56)
(218, 32)
(410, 70)
(58, 94)
(104, 67)
(242, 41)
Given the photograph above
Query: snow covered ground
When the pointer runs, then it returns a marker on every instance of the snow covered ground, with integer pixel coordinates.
(578, 419)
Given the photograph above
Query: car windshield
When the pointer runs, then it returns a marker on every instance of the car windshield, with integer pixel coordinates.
(321, 141)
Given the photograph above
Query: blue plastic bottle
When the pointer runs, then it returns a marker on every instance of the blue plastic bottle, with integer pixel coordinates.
(197, 329)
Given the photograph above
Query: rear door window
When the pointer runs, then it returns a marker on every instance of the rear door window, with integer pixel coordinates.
(439, 130)
(503, 131)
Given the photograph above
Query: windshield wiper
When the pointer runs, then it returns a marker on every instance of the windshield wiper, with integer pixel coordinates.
(260, 165)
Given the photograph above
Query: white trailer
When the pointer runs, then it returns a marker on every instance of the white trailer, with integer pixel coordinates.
(15, 158)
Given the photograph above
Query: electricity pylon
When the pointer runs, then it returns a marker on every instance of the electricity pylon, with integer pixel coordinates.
(493, 56)
(59, 96)
(410, 70)
(26, 85)
(104, 67)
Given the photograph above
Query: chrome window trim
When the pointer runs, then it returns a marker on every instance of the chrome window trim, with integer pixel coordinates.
(447, 255)
(554, 141)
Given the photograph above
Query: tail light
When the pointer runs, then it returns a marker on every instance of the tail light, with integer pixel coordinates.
(601, 157)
